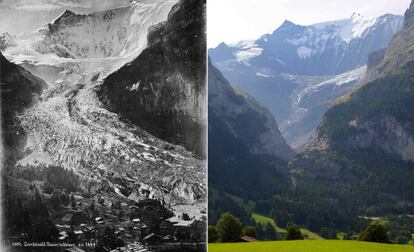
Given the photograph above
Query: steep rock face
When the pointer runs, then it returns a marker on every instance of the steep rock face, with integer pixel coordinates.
(249, 122)
(239, 153)
(19, 90)
(399, 52)
(386, 133)
(377, 116)
(163, 90)
(117, 32)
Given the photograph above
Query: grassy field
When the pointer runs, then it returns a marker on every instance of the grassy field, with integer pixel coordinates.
(264, 220)
(311, 235)
(309, 246)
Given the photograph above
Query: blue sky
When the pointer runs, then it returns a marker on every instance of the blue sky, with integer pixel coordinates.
(235, 20)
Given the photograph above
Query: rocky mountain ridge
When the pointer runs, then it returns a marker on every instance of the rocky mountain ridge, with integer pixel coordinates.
(364, 144)
(245, 144)
(164, 89)
(233, 105)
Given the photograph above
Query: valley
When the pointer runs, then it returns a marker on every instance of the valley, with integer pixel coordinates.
(340, 94)
(298, 71)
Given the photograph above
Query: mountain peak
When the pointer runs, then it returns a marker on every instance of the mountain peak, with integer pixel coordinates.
(65, 14)
(287, 23)
(409, 14)
(6, 35)
(222, 45)
(285, 26)
(6, 40)
(355, 15)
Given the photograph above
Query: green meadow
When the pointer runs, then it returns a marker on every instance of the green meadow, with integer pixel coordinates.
(309, 246)
(264, 220)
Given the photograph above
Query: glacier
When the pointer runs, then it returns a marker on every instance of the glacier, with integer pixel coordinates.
(70, 127)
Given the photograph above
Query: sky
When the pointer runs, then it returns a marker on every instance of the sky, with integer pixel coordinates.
(234, 20)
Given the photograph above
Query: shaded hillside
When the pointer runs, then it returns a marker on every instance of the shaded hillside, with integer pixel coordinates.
(399, 52)
(245, 145)
(163, 90)
(19, 90)
(365, 143)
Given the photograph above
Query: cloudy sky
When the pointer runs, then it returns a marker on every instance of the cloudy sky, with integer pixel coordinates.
(235, 20)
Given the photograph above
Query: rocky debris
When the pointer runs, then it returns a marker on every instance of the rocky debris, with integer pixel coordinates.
(71, 128)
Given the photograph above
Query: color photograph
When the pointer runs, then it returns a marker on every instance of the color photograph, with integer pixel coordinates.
(311, 125)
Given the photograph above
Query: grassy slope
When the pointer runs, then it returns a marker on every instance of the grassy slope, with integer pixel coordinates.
(264, 220)
(311, 235)
(309, 246)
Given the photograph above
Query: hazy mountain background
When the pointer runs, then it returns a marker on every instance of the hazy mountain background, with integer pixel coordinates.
(298, 71)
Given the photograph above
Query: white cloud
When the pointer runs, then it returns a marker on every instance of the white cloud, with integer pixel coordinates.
(234, 20)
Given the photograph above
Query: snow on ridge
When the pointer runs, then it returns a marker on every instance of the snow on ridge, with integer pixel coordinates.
(120, 33)
(343, 78)
(304, 52)
(336, 81)
(321, 35)
(246, 55)
(264, 75)
(348, 29)
(243, 44)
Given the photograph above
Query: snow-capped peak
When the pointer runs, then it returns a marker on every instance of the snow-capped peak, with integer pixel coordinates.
(348, 29)
(357, 26)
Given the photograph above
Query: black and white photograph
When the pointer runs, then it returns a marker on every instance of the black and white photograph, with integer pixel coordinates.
(103, 125)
